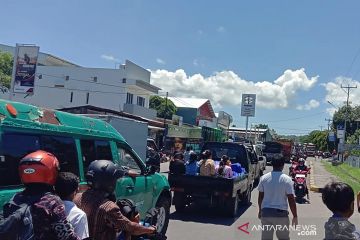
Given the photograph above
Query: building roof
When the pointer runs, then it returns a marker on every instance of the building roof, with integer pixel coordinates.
(188, 102)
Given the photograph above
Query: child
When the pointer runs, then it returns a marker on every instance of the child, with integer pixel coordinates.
(66, 187)
(339, 199)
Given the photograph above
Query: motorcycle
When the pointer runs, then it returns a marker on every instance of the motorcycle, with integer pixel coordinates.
(129, 210)
(300, 185)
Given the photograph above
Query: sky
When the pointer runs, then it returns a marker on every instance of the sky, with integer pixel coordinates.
(294, 55)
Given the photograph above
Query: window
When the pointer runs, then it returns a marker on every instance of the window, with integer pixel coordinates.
(64, 149)
(141, 101)
(95, 150)
(126, 159)
(87, 98)
(129, 98)
(14, 147)
(71, 96)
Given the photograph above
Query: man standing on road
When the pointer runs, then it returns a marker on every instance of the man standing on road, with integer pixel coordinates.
(276, 191)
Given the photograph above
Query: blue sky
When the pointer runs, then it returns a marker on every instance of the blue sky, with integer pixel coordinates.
(255, 40)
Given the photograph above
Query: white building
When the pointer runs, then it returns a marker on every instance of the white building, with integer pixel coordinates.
(61, 84)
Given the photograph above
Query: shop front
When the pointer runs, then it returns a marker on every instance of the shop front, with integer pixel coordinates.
(180, 137)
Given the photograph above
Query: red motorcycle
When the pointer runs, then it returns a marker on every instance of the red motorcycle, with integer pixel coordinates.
(300, 186)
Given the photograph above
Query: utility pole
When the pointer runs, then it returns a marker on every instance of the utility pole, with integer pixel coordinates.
(166, 106)
(348, 88)
(328, 124)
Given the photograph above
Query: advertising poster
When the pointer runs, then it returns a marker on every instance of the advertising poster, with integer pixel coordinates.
(25, 68)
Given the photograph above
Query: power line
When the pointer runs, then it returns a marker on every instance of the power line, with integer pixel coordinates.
(353, 61)
(305, 116)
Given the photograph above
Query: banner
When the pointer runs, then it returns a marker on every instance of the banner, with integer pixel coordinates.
(25, 60)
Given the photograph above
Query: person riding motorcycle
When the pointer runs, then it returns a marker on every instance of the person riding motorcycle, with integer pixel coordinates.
(98, 202)
(301, 166)
(38, 172)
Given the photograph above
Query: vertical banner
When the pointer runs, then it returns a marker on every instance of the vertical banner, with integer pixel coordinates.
(25, 60)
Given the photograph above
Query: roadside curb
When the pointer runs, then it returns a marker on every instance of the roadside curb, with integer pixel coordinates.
(313, 186)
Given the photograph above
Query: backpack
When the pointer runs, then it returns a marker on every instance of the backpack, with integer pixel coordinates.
(17, 223)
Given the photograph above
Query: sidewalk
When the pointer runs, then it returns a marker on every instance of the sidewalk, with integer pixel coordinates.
(319, 177)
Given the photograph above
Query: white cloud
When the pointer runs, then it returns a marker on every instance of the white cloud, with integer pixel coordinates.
(160, 61)
(220, 29)
(337, 96)
(109, 58)
(225, 88)
(196, 62)
(310, 105)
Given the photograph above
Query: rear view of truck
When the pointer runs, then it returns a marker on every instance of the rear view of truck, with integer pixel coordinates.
(287, 146)
(272, 150)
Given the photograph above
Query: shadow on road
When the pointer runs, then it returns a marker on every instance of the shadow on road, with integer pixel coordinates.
(201, 214)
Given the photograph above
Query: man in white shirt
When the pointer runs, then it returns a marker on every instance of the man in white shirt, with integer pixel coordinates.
(276, 191)
(187, 153)
(67, 185)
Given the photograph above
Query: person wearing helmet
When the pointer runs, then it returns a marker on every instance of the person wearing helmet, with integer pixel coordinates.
(301, 166)
(98, 202)
(38, 172)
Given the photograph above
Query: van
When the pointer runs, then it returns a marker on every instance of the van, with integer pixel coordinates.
(76, 141)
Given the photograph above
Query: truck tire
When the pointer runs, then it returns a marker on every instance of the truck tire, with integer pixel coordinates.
(246, 198)
(163, 204)
(179, 202)
(232, 206)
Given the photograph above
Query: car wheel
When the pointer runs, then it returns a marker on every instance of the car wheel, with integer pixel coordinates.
(163, 205)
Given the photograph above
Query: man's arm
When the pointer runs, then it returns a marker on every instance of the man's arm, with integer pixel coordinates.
(121, 223)
(260, 200)
(292, 205)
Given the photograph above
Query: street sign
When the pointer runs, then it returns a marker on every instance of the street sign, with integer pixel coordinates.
(332, 137)
(248, 105)
(340, 134)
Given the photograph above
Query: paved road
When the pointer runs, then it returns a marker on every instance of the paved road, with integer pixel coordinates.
(202, 223)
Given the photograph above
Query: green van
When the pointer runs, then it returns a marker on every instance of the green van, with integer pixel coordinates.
(75, 141)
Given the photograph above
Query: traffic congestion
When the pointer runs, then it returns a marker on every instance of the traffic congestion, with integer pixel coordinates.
(155, 120)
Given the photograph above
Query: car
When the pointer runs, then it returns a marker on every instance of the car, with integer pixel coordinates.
(76, 141)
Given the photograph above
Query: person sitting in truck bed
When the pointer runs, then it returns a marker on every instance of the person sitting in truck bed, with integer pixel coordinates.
(207, 165)
(177, 165)
(191, 165)
(224, 169)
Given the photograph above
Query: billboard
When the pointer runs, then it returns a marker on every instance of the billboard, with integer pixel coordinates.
(224, 119)
(25, 60)
(248, 105)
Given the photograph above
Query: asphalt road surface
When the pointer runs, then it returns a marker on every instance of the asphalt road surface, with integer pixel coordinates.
(203, 223)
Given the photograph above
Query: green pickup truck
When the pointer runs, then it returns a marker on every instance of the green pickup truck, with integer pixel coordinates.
(76, 141)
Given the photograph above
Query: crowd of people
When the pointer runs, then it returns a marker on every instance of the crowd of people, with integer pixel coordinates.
(53, 208)
(190, 163)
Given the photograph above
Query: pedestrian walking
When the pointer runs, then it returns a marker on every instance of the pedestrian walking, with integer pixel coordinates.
(276, 193)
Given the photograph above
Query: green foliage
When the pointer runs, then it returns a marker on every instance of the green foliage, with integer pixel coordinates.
(354, 139)
(355, 152)
(6, 65)
(163, 110)
(319, 138)
(351, 115)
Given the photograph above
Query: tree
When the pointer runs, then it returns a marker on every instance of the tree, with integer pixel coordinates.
(163, 110)
(319, 138)
(6, 66)
(351, 115)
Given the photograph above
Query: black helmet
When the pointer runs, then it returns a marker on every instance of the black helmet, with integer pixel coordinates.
(102, 175)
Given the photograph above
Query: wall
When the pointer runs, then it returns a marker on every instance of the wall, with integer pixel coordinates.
(188, 114)
(54, 91)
